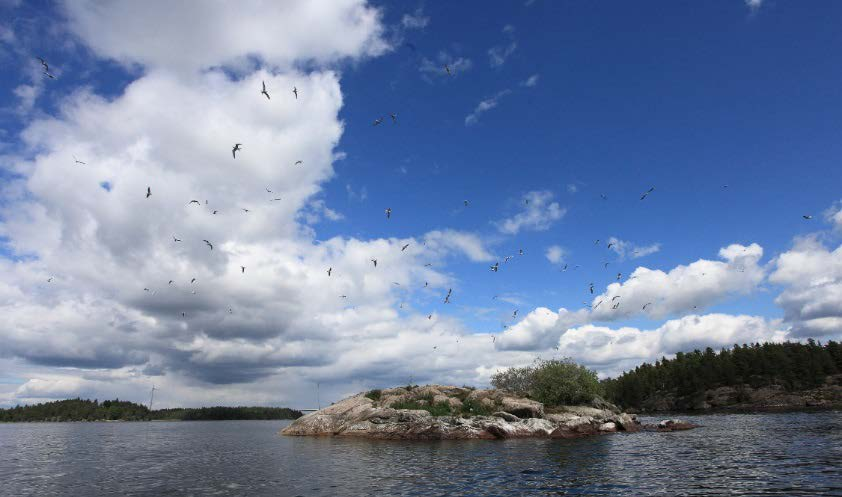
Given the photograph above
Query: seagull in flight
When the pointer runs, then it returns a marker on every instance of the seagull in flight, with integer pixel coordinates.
(274, 199)
(604, 196)
(519, 251)
(77, 161)
(214, 212)
(564, 268)
(176, 239)
(404, 247)
(495, 267)
(447, 69)
(610, 245)
(50, 279)
(506, 258)
(237, 146)
(597, 305)
(243, 268)
(192, 281)
(209, 244)
(466, 202)
(619, 275)
(388, 213)
(246, 210)
(148, 191)
(377, 121)
(374, 261)
(44, 64)
(394, 117)
(447, 298)
(807, 217)
(615, 297)
(591, 288)
(263, 91)
(647, 192)
(646, 305)
(295, 90)
(514, 314)
(329, 270)
(194, 202)
(428, 264)
(343, 296)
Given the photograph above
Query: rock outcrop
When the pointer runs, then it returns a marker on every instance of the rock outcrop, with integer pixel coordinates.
(436, 412)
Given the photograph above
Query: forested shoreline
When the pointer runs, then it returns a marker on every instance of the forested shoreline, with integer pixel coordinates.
(749, 375)
(120, 410)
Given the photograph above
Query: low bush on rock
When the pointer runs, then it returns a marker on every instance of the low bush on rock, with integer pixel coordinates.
(551, 382)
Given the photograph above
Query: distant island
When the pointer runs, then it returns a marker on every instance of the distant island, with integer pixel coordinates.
(121, 410)
(764, 376)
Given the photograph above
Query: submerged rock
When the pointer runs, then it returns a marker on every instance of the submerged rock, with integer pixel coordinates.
(467, 414)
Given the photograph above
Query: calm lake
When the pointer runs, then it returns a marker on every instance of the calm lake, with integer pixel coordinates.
(769, 454)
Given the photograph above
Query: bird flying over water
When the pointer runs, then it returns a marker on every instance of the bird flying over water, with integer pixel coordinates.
(263, 91)
(646, 305)
(194, 202)
(148, 191)
(388, 213)
(591, 288)
(44, 64)
(329, 270)
(377, 121)
(807, 217)
(374, 261)
(237, 146)
(295, 90)
(647, 192)
(447, 298)
(495, 267)
(514, 314)
(209, 244)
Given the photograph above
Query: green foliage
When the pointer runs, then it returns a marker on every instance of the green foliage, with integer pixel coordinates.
(795, 366)
(471, 407)
(552, 382)
(374, 394)
(117, 410)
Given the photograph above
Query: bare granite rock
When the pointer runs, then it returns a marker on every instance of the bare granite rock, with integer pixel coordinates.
(371, 415)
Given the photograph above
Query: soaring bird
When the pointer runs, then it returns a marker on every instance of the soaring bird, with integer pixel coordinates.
(298, 162)
(564, 268)
(404, 247)
(425, 284)
(604, 197)
(343, 296)
(596, 242)
(597, 305)
(192, 281)
(214, 212)
(394, 117)
(506, 258)
(329, 270)
(148, 191)
(237, 146)
(295, 90)
(447, 69)
(447, 298)
(49, 75)
(466, 202)
(646, 305)
(647, 192)
(44, 64)
(77, 161)
(610, 245)
(194, 202)
(495, 267)
(263, 91)
(619, 275)
(176, 239)
(246, 210)
(591, 288)
(605, 265)
(388, 213)
(616, 306)
(377, 121)
(615, 297)
(169, 282)
(50, 279)
(209, 244)
(514, 314)
(374, 261)
(519, 251)
(274, 199)
(243, 268)
(807, 217)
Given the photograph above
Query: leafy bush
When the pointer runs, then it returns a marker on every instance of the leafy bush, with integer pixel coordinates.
(374, 394)
(471, 407)
(552, 382)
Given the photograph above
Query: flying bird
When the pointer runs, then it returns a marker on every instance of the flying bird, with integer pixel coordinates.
(77, 161)
(343, 296)
(404, 247)
(514, 314)
(170, 282)
(646, 305)
(237, 146)
(506, 258)
(447, 69)
(597, 305)
(176, 239)
(610, 245)
(466, 202)
(616, 306)
(214, 212)
(246, 210)
(295, 90)
(148, 191)
(807, 217)
(619, 275)
(591, 288)
(329, 270)
(519, 251)
(647, 192)
(428, 264)
(604, 197)
(388, 213)
(50, 279)
(274, 199)
(209, 244)
(192, 281)
(447, 298)
(298, 162)
(44, 64)
(495, 267)
(243, 268)
(605, 265)
(615, 297)
(194, 202)
(377, 121)
(374, 261)
(596, 242)
(263, 91)
(394, 117)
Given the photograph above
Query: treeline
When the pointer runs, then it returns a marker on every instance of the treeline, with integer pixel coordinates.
(794, 366)
(119, 410)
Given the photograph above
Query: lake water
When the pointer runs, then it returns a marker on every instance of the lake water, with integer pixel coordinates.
(768, 454)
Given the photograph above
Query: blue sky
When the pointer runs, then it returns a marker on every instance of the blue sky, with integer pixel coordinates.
(579, 106)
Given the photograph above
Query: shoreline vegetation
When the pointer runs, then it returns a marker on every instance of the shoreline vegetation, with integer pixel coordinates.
(76, 410)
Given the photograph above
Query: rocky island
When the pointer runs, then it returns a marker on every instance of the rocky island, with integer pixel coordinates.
(439, 412)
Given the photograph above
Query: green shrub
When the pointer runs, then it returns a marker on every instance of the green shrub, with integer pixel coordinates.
(374, 394)
(472, 407)
(553, 382)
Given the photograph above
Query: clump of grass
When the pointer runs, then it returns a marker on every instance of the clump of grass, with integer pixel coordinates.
(374, 394)
(471, 407)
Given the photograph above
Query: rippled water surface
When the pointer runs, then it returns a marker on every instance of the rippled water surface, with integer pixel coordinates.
(767, 454)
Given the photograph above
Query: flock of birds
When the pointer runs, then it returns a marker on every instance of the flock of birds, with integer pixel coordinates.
(238, 147)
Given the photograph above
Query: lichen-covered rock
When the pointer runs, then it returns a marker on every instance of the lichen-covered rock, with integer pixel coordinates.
(360, 416)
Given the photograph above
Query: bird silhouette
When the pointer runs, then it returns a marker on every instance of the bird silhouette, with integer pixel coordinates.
(237, 146)
(295, 91)
(209, 244)
(148, 191)
(263, 91)
(647, 192)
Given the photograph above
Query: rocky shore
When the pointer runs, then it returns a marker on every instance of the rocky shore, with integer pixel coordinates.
(746, 398)
(439, 412)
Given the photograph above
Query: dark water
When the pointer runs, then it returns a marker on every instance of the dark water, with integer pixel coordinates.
(768, 454)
